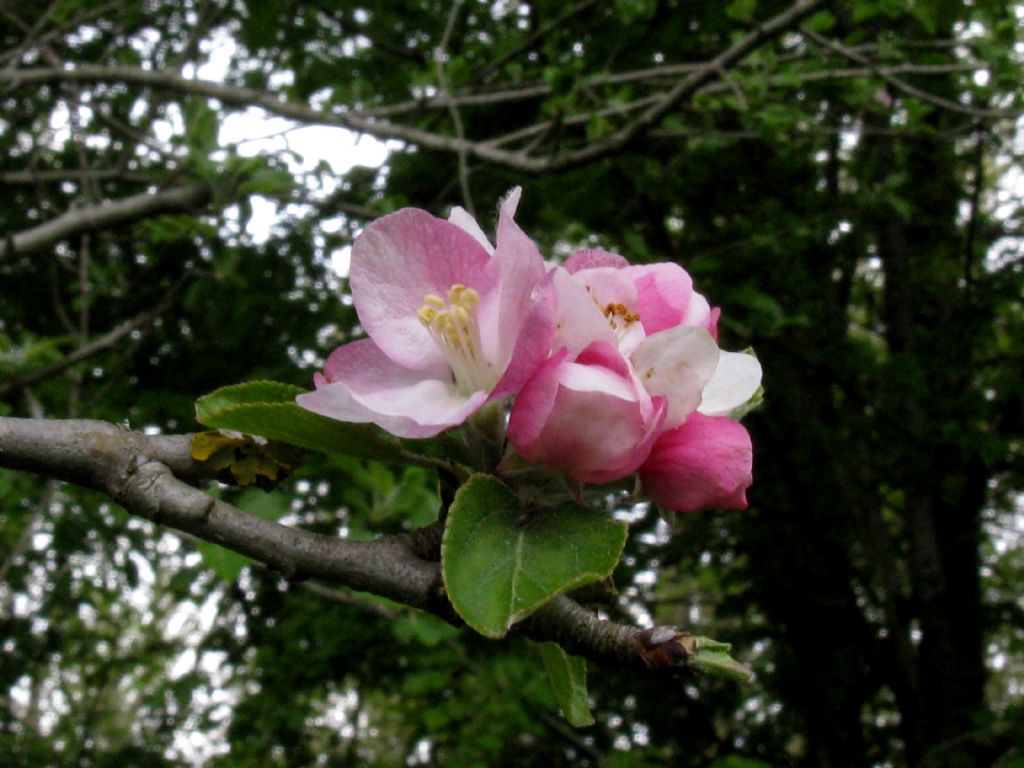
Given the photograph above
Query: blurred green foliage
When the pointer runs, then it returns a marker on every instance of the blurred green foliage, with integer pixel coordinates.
(862, 237)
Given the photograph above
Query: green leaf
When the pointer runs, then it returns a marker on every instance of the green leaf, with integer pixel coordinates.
(267, 409)
(738, 761)
(269, 506)
(568, 676)
(501, 560)
(226, 563)
(822, 21)
(901, 206)
(422, 628)
(210, 405)
(741, 10)
(267, 181)
(630, 11)
(864, 10)
(201, 126)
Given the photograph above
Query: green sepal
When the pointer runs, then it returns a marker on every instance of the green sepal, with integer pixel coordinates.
(712, 657)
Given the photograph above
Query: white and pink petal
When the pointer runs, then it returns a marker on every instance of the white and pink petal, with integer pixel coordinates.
(591, 258)
(587, 417)
(580, 321)
(736, 380)
(521, 269)
(461, 218)
(399, 259)
(677, 363)
(363, 385)
(533, 343)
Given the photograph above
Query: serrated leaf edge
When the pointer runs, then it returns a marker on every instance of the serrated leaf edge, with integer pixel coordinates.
(287, 390)
(585, 578)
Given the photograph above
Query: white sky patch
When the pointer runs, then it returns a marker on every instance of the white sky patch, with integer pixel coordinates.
(303, 148)
(173, 125)
(220, 47)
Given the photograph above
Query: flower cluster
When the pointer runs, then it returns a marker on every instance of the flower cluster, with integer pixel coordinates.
(612, 369)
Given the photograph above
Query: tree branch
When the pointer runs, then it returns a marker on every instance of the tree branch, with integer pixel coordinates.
(146, 474)
(73, 174)
(655, 75)
(383, 129)
(690, 84)
(105, 216)
(351, 119)
(441, 67)
(143, 476)
(902, 85)
(644, 101)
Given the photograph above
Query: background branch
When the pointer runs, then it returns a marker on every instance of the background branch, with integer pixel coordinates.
(107, 341)
(441, 67)
(383, 129)
(902, 85)
(105, 216)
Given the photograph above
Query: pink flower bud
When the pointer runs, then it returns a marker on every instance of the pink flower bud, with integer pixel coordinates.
(705, 463)
(589, 417)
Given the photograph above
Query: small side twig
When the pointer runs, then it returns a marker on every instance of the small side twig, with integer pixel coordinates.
(89, 349)
(441, 65)
(908, 88)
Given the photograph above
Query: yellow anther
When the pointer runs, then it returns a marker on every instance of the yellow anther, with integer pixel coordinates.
(453, 325)
(620, 310)
(460, 295)
(433, 300)
(441, 319)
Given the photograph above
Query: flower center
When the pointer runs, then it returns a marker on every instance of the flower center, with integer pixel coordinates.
(454, 328)
(620, 318)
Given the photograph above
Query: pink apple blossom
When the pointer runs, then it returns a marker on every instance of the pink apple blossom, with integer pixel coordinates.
(588, 416)
(660, 294)
(452, 322)
(705, 462)
(664, 334)
(660, 324)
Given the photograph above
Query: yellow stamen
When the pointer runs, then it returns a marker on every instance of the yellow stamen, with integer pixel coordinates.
(453, 325)
(460, 295)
